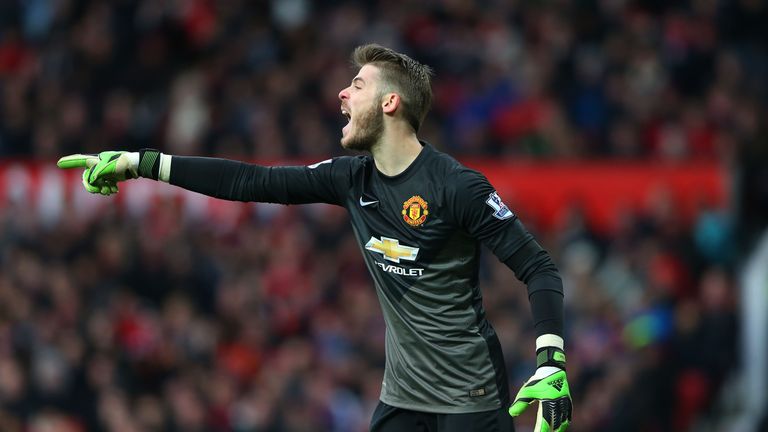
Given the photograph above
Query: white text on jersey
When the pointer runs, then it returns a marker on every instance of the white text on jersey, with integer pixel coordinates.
(391, 268)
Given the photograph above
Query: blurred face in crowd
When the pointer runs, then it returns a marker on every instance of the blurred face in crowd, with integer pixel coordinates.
(361, 105)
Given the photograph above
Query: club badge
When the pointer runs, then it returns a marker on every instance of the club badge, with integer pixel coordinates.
(415, 211)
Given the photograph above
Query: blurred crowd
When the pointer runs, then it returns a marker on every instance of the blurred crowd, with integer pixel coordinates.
(259, 79)
(169, 323)
(165, 322)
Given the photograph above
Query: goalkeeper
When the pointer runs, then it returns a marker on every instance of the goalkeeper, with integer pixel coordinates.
(419, 217)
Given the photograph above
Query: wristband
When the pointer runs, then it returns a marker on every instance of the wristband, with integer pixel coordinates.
(550, 356)
(149, 163)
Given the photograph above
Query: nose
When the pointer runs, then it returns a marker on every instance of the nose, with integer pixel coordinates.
(344, 93)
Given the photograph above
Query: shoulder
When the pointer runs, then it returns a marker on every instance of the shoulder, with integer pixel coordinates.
(457, 177)
(459, 184)
(446, 167)
(464, 185)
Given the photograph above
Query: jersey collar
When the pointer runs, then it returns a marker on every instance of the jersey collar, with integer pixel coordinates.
(408, 172)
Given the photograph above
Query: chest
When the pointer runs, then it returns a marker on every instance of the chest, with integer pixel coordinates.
(401, 221)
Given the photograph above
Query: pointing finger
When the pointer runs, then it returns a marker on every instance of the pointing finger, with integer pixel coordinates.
(78, 161)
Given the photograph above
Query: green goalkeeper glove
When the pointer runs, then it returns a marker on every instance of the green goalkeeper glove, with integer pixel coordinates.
(103, 171)
(548, 386)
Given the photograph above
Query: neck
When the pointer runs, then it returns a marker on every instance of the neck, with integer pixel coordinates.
(395, 152)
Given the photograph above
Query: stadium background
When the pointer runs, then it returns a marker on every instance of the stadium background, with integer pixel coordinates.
(629, 136)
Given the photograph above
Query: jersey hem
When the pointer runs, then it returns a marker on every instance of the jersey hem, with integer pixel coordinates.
(441, 409)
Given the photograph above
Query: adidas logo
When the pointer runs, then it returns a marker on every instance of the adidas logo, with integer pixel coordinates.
(557, 384)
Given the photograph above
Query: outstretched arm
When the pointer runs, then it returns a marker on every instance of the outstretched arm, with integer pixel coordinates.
(241, 181)
(220, 178)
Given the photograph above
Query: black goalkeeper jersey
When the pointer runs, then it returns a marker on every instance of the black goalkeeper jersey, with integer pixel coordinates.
(420, 233)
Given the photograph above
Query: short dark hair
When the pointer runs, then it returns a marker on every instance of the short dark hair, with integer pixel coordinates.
(403, 75)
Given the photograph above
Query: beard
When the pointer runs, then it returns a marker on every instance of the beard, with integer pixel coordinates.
(368, 128)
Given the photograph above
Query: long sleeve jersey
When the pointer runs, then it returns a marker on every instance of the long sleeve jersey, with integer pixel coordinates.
(420, 234)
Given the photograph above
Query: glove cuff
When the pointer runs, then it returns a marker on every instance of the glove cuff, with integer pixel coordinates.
(149, 163)
(550, 356)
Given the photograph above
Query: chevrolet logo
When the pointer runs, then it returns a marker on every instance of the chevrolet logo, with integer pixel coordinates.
(391, 249)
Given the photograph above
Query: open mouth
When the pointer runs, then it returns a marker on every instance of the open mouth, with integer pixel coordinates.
(345, 112)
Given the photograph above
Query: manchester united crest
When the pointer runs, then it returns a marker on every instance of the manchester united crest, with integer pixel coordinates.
(415, 211)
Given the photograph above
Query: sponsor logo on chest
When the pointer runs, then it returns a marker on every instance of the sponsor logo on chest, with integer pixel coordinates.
(392, 250)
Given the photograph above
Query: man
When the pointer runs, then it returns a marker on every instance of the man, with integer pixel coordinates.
(419, 216)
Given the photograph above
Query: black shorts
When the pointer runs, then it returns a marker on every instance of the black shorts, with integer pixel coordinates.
(390, 419)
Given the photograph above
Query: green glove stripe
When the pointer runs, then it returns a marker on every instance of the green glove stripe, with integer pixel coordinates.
(532, 383)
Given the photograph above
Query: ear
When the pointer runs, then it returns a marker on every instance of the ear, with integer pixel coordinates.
(390, 102)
